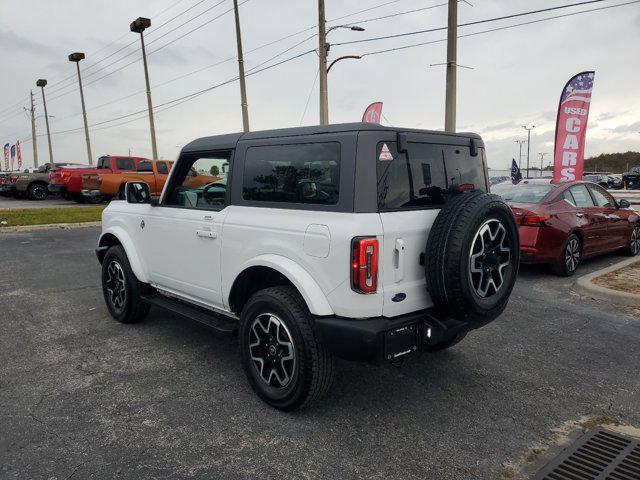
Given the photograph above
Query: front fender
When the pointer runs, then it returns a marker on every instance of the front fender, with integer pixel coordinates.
(129, 248)
(311, 292)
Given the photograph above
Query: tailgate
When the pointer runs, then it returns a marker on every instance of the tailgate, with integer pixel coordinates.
(403, 277)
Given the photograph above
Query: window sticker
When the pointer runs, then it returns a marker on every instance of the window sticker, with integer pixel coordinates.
(385, 154)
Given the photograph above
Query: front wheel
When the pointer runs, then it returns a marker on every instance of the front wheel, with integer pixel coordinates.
(37, 191)
(633, 248)
(121, 288)
(571, 253)
(281, 352)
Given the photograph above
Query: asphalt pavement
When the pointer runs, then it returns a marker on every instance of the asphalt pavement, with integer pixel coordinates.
(82, 396)
(10, 203)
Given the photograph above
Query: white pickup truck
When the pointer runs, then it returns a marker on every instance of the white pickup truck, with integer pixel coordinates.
(358, 241)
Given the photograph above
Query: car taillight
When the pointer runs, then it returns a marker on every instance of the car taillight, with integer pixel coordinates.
(364, 264)
(534, 220)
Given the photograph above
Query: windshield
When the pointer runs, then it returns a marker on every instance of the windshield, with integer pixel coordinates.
(523, 192)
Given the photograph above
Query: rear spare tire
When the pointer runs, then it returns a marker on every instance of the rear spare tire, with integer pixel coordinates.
(472, 257)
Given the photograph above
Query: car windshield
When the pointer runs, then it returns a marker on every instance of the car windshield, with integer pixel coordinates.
(523, 192)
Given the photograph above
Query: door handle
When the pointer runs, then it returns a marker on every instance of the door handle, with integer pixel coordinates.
(579, 215)
(398, 256)
(206, 234)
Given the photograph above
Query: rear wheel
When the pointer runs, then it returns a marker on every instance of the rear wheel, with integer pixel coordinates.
(571, 254)
(37, 191)
(121, 288)
(281, 353)
(633, 248)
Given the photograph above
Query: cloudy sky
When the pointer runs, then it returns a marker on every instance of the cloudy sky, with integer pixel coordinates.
(517, 74)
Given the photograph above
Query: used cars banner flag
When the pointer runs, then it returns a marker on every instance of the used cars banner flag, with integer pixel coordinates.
(6, 156)
(571, 128)
(373, 113)
(19, 154)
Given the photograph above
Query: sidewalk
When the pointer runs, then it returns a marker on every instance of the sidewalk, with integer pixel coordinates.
(619, 283)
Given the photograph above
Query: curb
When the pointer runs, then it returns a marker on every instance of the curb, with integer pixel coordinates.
(48, 226)
(586, 286)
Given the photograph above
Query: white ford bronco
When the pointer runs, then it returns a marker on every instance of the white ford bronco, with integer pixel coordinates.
(356, 241)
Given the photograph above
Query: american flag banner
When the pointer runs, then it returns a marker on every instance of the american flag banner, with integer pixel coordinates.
(571, 128)
(13, 155)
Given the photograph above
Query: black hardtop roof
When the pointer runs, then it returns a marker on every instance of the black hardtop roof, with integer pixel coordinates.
(229, 140)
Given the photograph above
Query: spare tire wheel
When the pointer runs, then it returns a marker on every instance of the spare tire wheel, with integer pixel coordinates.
(472, 257)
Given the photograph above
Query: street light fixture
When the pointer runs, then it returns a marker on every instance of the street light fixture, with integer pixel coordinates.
(139, 25)
(43, 83)
(76, 57)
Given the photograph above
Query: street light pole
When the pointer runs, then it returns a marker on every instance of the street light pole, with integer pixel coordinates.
(33, 132)
(139, 26)
(322, 54)
(243, 87)
(528, 129)
(43, 83)
(541, 161)
(452, 49)
(76, 57)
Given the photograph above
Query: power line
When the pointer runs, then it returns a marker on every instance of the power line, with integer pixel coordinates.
(313, 86)
(507, 27)
(477, 22)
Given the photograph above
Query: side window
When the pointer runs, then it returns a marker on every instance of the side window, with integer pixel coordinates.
(569, 197)
(581, 196)
(125, 163)
(145, 166)
(200, 183)
(602, 198)
(103, 163)
(162, 168)
(303, 173)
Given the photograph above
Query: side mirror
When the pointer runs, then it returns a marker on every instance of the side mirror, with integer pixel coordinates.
(137, 192)
(624, 203)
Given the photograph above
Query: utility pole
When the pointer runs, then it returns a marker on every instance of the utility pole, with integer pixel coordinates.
(76, 57)
(520, 142)
(43, 83)
(243, 86)
(452, 49)
(528, 129)
(322, 54)
(139, 26)
(33, 132)
(541, 161)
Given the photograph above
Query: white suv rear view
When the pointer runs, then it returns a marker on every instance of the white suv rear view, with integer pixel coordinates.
(358, 241)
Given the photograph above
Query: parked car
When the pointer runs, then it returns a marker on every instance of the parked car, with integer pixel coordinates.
(563, 223)
(496, 180)
(35, 186)
(601, 179)
(631, 179)
(359, 241)
(615, 181)
(68, 181)
(108, 185)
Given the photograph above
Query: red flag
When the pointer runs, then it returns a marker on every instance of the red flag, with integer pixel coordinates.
(19, 155)
(571, 128)
(6, 156)
(373, 113)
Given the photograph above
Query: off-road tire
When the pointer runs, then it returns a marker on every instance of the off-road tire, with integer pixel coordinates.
(313, 371)
(633, 248)
(37, 191)
(133, 309)
(563, 269)
(448, 257)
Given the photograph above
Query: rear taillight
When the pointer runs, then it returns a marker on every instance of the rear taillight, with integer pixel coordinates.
(534, 220)
(364, 264)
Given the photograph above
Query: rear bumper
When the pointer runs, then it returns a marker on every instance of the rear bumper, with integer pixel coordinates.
(57, 189)
(381, 339)
(90, 193)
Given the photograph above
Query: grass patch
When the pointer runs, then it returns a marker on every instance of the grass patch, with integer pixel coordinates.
(43, 216)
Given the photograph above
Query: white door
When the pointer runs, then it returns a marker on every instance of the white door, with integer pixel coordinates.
(182, 237)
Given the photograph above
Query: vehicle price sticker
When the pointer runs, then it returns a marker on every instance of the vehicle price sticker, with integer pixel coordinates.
(385, 154)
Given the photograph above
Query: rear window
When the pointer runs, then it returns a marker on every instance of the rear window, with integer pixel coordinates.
(302, 173)
(145, 166)
(523, 192)
(423, 176)
(162, 168)
(125, 163)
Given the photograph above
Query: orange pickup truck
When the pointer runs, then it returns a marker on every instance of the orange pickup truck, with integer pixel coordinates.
(109, 185)
(152, 172)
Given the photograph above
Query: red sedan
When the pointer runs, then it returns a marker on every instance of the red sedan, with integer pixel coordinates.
(562, 223)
